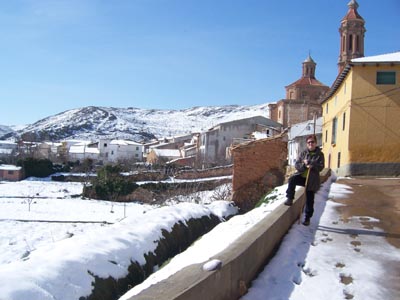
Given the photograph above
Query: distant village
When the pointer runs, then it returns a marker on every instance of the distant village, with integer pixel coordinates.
(355, 121)
(205, 149)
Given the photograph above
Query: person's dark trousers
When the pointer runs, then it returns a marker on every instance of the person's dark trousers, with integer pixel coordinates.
(309, 209)
(295, 180)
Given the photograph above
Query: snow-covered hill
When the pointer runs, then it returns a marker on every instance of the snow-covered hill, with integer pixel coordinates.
(5, 130)
(134, 123)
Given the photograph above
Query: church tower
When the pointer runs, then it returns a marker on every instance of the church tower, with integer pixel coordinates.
(352, 32)
(302, 98)
(309, 67)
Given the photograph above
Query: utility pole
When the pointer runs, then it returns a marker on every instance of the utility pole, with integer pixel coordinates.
(315, 121)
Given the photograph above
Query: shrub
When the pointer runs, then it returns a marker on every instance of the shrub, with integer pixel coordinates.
(36, 167)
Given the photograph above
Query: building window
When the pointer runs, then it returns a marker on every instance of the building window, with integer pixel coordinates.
(136, 155)
(385, 77)
(338, 160)
(334, 127)
(105, 144)
(344, 121)
(326, 108)
(357, 43)
(326, 136)
(137, 148)
(10, 172)
(351, 42)
(343, 43)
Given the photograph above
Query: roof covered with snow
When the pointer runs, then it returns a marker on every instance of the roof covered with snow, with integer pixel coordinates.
(124, 143)
(389, 58)
(167, 152)
(10, 167)
(83, 149)
(305, 128)
(383, 58)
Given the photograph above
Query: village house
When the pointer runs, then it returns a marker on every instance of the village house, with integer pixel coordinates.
(176, 142)
(11, 173)
(163, 156)
(48, 150)
(176, 148)
(83, 150)
(361, 111)
(361, 116)
(8, 149)
(297, 135)
(120, 150)
(215, 143)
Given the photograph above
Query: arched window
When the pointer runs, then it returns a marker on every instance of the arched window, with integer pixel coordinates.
(344, 43)
(351, 42)
(357, 43)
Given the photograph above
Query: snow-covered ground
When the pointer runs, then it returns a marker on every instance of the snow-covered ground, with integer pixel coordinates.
(49, 260)
(49, 238)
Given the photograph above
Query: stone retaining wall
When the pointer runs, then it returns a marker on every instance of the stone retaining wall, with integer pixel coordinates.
(241, 261)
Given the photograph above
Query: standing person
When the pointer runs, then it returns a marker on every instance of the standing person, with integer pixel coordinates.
(312, 161)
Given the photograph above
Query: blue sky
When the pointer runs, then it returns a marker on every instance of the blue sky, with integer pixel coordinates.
(170, 54)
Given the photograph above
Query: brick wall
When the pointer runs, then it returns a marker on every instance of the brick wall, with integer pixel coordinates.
(258, 166)
(212, 172)
(11, 175)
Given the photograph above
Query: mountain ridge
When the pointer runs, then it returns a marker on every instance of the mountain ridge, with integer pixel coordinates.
(140, 125)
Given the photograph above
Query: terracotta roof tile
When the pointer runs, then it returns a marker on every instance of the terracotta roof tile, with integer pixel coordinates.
(307, 81)
(352, 14)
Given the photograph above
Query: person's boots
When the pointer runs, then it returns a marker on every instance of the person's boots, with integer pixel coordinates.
(306, 221)
(288, 202)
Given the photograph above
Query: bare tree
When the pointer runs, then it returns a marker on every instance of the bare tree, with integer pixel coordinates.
(222, 192)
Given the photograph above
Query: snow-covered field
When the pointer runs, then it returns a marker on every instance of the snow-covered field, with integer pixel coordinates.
(49, 238)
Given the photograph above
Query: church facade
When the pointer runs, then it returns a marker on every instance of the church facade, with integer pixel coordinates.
(303, 97)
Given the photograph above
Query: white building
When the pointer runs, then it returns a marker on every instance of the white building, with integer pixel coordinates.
(83, 150)
(163, 155)
(119, 150)
(215, 141)
(7, 149)
(297, 135)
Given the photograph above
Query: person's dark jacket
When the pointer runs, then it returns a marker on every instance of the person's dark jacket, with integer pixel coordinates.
(317, 162)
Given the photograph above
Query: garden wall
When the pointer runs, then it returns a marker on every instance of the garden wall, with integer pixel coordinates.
(258, 166)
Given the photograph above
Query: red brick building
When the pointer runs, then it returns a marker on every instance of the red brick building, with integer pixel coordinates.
(11, 173)
(302, 98)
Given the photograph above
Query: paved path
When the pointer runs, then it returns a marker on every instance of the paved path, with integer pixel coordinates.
(379, 200)
(351, 250)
